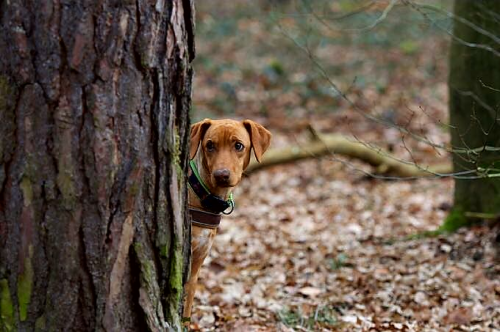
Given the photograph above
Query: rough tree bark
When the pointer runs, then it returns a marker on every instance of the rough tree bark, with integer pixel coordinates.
(94, 100)
(474, 84)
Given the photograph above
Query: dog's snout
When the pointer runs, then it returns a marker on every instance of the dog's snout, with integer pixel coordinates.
(222, 175)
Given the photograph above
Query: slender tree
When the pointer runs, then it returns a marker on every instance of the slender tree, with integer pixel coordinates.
(94, 100)
(474, 85)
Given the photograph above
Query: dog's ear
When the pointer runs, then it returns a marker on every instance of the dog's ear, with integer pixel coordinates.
(198, 130)
(260, 137)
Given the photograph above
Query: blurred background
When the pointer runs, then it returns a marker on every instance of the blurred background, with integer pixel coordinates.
(335, 242)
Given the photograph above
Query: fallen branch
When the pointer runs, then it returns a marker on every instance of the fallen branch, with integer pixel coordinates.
(322, 145)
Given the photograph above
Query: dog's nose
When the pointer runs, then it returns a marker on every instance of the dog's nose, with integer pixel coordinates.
(222, 175)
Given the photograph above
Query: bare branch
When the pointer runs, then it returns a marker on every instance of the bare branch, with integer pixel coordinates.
(455, 38)
(456, 18)
(378, 20)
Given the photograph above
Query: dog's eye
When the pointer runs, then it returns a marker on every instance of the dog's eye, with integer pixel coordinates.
(238, 146)
(210, 146)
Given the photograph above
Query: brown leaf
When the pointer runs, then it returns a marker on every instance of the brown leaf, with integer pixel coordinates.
(459, 316)
(310, 291)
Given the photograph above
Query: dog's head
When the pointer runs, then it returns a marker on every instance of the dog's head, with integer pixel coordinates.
(226, 146)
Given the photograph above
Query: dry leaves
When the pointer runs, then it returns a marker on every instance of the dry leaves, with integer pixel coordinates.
(310, 248)
(317, 245)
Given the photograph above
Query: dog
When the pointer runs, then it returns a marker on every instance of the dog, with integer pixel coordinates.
(220, 151)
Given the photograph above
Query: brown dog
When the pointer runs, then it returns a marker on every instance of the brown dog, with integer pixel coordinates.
(215, 170)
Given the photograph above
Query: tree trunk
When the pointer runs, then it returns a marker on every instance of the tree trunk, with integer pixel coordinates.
(474, 84)
(94, 100)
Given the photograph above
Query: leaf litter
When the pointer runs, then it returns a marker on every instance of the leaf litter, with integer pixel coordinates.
(312, 248)
(318, 245)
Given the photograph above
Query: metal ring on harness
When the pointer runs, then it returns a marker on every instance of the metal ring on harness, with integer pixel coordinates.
(231, 203)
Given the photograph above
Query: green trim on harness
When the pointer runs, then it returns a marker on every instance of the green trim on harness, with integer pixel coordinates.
(197, 174)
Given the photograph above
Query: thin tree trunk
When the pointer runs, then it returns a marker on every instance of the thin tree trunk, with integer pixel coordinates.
(94, 100)
(474, 84)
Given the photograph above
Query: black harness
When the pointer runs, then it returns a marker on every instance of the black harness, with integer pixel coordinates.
(210, 202)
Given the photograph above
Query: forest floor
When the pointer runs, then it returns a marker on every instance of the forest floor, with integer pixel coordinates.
(313, 246)
(321, 244)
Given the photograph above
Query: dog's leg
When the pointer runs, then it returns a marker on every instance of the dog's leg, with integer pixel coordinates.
(201, 243)
(190, 288)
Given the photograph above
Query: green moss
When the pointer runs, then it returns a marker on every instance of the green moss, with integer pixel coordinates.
(147, 266)
(408, 46)
(455, 220)
(25, 286)
(424, 235)
(277, 67)
(31, 170)
(162, 234)
(6, 307)
(65, 183)
(134, 189)
(148, 271)
(175, 285)
(175, 278)
(414, 236)
(176, 154)
(27, 190)
(40, 324)
(164, 251)
(96, 121)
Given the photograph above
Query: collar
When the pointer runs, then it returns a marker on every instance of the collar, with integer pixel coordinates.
(204, 219)
(209, 201)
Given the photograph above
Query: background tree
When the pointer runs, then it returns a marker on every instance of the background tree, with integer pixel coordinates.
(369, 74)
(94, 100)
(474, 103)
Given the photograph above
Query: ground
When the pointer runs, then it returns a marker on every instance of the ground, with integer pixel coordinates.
(313, 246)
(323, 244)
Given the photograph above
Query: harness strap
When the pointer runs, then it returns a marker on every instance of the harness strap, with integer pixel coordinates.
(208, 200)
(204, 219)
